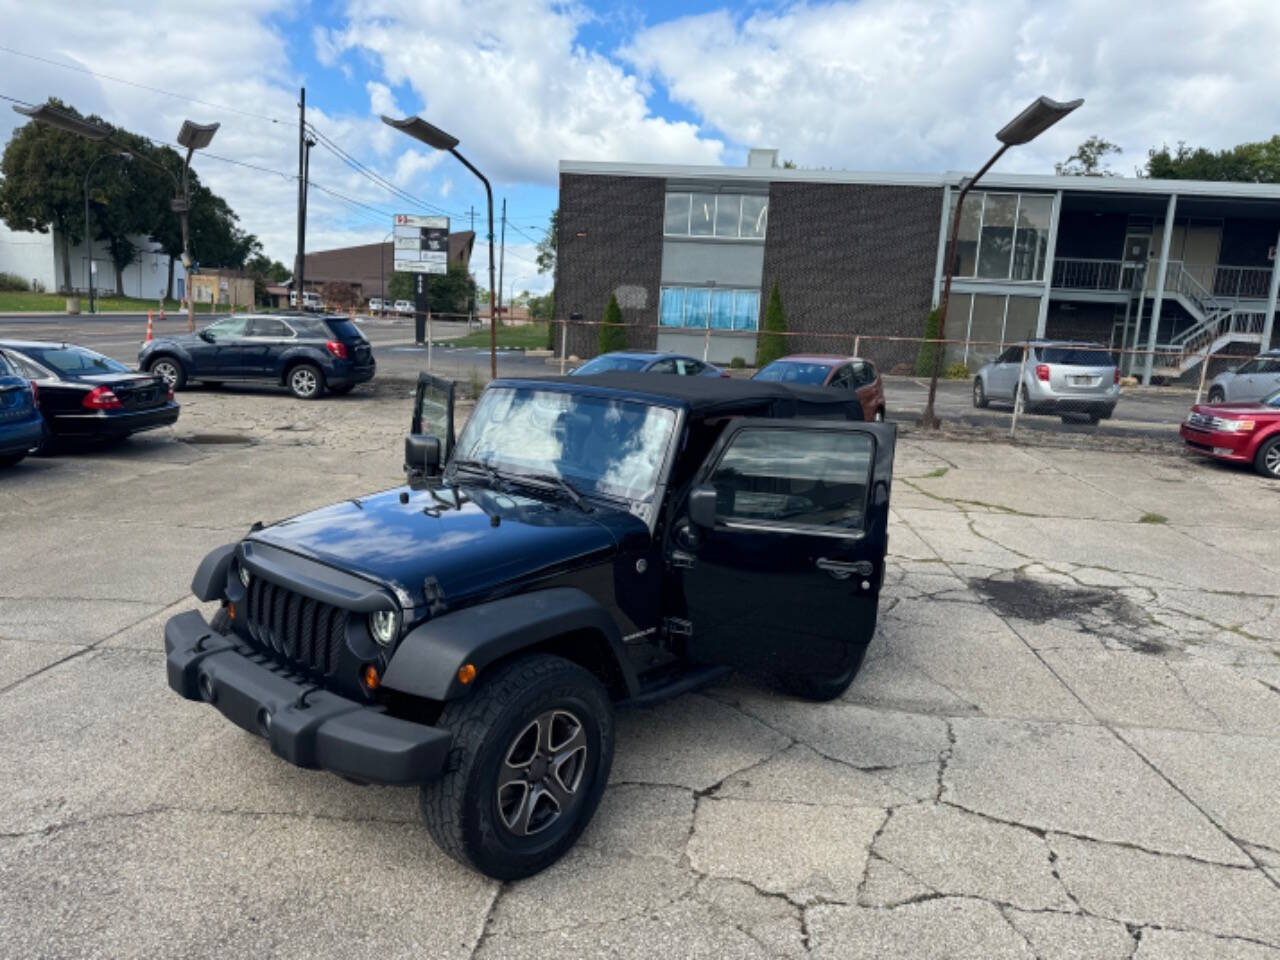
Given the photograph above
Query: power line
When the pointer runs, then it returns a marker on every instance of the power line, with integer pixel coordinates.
(140, 86)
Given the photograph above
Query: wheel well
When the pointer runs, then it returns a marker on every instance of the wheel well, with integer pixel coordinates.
(162, 355)
(587, 648)
(297, 361)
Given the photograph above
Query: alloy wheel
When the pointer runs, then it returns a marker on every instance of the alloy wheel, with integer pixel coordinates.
(541, 772)
(304, 382)
(166, 371)
(1271, 460)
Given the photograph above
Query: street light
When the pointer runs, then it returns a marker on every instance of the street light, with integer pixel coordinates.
(1041, 114)
(436, 138)
(193, 136)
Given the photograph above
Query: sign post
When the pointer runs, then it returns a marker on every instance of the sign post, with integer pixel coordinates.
(421, 247)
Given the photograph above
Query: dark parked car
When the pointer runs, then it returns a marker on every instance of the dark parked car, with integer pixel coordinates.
(831, 370)
(304, 353)
(21, 426)
(86, 396)
(588, 541)
(648, 361)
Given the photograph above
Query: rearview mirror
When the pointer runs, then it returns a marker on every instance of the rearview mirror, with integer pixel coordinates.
(422, 455)
(702, 506)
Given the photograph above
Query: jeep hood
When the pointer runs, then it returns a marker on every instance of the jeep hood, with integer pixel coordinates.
(475, 543)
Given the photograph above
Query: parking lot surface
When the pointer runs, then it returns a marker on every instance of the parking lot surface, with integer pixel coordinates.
(1065, 741)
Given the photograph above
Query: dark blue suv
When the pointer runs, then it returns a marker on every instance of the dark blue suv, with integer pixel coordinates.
(21, 425)
(307, 354)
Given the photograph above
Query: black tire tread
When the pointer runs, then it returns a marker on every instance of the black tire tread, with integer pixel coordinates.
(180, 381)
(442, 801)
(1259, 458)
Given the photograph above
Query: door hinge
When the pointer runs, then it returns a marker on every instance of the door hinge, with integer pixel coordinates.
(675, 627)
(681, 560)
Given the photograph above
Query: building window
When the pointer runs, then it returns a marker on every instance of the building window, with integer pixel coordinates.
(984, 323)
(1002, 236)
(719, 308)
(729, 216)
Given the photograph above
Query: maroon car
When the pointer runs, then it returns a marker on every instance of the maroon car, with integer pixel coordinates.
(831, 370)
(1238, 433)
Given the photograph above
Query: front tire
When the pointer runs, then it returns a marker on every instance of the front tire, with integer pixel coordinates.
(12, 459)
(532, 749)
(306, 382)
(171, 371)
(979, 394)
(1267, 460)
(821, 688)
(1217, 395)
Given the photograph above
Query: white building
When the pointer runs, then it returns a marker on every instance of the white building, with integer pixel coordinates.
(37, 258)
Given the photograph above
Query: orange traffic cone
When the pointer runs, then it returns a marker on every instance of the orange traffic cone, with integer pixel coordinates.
(162, 313)
(150, 329)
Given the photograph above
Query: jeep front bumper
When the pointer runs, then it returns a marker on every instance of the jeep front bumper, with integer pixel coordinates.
(305, 724)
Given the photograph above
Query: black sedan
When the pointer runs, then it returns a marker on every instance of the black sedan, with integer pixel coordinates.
(85, 395)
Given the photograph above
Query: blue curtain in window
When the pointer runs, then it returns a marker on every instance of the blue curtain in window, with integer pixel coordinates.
(671, 307)
(722, 309)
(696, 307)
(746, 310)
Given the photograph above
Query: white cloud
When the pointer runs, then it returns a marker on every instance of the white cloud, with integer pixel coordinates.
(919, 85)
(511, 82)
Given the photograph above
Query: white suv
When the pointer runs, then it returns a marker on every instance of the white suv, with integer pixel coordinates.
(1249, 382)
(1068, 378)
(403, 306)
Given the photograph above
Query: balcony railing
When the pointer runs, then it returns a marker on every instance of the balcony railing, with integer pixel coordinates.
(1224, 283)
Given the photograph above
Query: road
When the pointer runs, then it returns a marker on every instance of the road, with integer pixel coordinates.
(1141, 411)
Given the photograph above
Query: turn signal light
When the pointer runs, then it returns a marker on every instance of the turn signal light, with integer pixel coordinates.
(466, 673)
(1115, 376)
(370, 676)
(101, 398)
(1042, 372)
(231, 610)
(337, 348)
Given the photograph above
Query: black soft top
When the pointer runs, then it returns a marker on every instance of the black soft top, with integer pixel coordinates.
(720, 396)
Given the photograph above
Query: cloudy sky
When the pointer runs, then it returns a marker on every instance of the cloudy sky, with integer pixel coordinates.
(899, 85)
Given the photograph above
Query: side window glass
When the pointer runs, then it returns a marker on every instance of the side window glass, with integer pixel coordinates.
(1250, 367)
(267, 327)
(690, 368)
(663, 366)
(433, 411)
(812, 478)
(230, 327)
(843, 378)
(1271, 366)
(26, 368)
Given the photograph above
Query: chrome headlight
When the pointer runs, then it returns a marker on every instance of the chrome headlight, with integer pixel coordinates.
(384, 625)
(244, 575)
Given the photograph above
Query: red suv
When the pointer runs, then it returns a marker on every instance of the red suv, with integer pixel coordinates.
(1239, 432)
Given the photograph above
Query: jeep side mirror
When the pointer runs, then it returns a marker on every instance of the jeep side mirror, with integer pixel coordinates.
(422, 455)
(702, 506)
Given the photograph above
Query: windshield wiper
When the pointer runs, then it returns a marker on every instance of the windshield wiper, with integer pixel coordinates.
(479, 466)
(568, 489)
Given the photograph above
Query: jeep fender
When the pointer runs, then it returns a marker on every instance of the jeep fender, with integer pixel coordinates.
(426, 662)
(210, 581)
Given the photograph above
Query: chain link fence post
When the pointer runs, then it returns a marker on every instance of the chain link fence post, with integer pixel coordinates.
(1019, 393)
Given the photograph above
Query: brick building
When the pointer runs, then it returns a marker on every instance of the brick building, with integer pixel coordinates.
(692, 254)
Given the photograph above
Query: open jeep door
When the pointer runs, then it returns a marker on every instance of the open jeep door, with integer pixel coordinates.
(433, 411)
(780, 548)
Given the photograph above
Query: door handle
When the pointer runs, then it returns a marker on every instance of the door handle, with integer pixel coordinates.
(843, 570)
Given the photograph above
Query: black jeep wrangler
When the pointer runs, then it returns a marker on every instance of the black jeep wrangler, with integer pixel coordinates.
(586, 543)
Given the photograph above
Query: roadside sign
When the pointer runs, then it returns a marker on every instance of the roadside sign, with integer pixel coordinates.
(421, 243)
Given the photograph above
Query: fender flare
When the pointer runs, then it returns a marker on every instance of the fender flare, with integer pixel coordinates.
(167, 348)
(210, 580)
(294, 355)
(426, 662)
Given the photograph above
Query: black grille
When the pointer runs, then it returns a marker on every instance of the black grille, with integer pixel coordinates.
(304, 631)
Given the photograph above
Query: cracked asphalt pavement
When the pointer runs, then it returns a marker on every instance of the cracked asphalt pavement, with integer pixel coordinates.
(1065, 741)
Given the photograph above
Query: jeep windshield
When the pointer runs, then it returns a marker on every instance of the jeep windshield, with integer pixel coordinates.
(599, 445)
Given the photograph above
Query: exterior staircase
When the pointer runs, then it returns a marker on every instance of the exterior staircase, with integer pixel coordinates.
(1219, 321)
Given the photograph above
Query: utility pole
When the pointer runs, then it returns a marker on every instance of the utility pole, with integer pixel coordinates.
(473, 218)
(502, 257)
(299, 266)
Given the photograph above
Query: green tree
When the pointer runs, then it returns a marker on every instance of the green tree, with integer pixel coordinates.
(450, 292)
(612, 334)
(546, 251)
(265, 271)
(42, 188)
(1245, 163)
(927, 356)
(1089, 160)
(773, 342)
